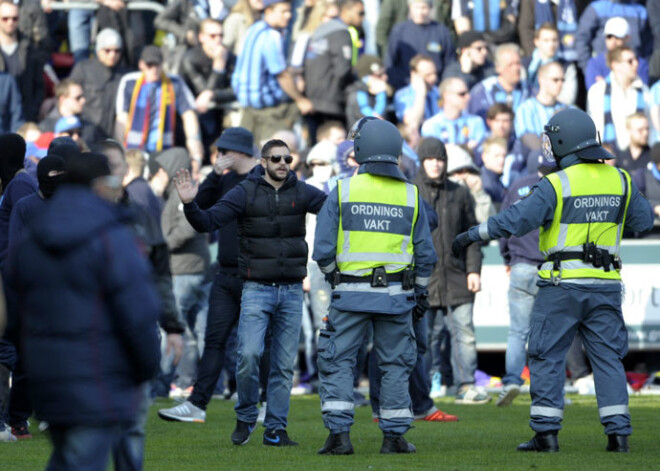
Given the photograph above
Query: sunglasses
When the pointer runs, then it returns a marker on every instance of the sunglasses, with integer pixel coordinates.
(557, 79)
(461, 94)
(611, 36)
(78, 98)
(72, 132)
(214, 35)
(9, 18)
(110, 51)
(277, 158)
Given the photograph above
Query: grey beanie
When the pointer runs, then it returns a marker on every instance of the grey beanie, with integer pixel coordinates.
(108, 38)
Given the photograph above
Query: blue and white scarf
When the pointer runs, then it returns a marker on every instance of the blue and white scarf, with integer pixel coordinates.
(609, 132)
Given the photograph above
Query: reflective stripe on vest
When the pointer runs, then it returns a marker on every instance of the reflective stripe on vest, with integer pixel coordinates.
(589, 199)
(376, 220)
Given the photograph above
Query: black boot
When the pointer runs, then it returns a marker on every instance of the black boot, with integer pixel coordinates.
(617, 443)
(396, 444)
(542, 442)
(337, 444)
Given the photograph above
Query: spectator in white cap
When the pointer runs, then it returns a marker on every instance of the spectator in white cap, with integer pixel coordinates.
(99, 77)
(617, 34)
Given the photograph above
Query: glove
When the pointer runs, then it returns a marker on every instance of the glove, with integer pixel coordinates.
(422, 298)
(461, 241)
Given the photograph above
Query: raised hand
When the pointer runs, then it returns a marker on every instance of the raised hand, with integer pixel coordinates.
(185, 186)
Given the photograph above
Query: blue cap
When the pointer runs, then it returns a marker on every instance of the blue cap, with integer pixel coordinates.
(67, 124)
(236, 139)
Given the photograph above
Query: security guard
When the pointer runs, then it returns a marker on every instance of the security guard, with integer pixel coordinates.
(581, 211)
(373, 243)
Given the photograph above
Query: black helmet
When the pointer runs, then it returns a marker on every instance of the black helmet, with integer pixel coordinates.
(572, 131)
(376, 140)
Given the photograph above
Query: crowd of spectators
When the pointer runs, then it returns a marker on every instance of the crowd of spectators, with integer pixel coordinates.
(482, 77)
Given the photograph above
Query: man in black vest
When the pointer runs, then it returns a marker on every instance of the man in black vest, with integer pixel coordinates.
(270, 206)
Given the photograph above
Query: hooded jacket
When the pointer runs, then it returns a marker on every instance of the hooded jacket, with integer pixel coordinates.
(87, 311)
(455, 209)
(189, 251)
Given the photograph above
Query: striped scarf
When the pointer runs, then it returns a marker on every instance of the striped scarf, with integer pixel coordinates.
(138, 125)
(609, 133)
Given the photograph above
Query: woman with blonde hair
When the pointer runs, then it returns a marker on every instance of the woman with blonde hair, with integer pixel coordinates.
(244, 14)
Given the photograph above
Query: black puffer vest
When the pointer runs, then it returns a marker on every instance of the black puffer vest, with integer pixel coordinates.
(272, 232)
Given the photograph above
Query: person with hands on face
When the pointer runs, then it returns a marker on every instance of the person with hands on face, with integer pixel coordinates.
(270, 206)
(581, 211)
(374, 245)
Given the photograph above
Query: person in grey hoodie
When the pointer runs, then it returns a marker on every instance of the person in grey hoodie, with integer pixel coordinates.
(189, 261)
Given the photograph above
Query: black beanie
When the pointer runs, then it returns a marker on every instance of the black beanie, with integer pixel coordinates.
(82, 169)
(50, 174)
(431, 147)
(12, 155)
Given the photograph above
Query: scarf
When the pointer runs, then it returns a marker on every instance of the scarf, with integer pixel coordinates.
(654, 170)
(566, 22)
(609, 133)
(481, 7)
(137, 126)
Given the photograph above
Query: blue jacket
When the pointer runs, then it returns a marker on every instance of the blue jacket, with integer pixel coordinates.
(11, 115)
(589, 37)
(391, 300)
(19, 187)
(538, 209)
(21, 215)
(523, 249)
(87, 311)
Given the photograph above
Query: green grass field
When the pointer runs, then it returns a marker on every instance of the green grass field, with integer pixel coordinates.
(484, 439)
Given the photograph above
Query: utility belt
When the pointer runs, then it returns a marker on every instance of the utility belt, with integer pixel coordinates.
(599, 258)
(379, 278)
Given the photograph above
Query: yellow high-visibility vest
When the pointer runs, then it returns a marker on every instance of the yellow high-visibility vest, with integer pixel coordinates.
(376, 220)
(592, 201)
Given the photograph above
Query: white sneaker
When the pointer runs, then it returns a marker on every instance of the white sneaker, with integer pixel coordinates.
(507, 395)
(471, 395)
(6, 435)
(43, 426)
(585, 385)
(437, 388)
(185, 412)
(262, 413)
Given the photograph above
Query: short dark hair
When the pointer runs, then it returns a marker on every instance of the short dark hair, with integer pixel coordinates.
(545, 26)
(499, 108)
(273, 143)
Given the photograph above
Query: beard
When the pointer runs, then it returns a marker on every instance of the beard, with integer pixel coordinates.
(272, 173)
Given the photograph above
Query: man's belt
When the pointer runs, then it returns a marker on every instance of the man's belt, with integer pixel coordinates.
(379, 278)
(599, 258)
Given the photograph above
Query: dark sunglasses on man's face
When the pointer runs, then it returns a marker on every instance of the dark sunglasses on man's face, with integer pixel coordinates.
(277, 158)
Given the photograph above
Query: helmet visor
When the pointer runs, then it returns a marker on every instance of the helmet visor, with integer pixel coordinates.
(546, 148)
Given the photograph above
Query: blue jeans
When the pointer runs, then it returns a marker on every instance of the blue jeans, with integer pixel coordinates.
(419, 386)
(79, 24)
(192, 298)
(87, 448)
(522, 292)
(280, 307)
(463, 341)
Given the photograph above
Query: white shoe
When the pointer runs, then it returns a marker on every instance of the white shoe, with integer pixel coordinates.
(6, 435)
(43, 426)
(185, 412)
(472, 395)
(262, 413)
(508, 394)
(585, 385)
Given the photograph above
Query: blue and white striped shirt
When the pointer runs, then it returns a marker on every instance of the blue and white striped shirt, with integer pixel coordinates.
(405, 98)
(466, 128)
(489, 91)
(262, 60)
(532, 115)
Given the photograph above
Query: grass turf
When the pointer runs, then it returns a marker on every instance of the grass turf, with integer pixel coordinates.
(484, 439)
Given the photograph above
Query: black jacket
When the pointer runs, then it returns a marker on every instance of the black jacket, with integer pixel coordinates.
(100, 84)
(198, 73)
(271, 225)
(30, 78)
(327, 67)
(455, 209)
